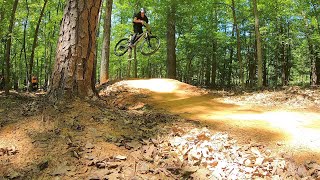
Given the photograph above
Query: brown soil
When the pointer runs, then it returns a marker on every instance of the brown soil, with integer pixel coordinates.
(287, 121)
(39, 140)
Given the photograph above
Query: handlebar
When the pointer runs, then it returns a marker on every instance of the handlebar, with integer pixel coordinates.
(147, 26)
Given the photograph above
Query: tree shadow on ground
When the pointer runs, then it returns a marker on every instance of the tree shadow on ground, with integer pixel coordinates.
(61, 140)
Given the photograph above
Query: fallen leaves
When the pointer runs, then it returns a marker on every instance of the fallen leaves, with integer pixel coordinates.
(150, 151)
(294, 96)
(224, 158)
(9, 151)
(120, 157)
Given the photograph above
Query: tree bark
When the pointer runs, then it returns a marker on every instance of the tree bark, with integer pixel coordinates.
(276, 58)
(214, 51)
(230, 60)
(317, 64)
(104, 69)
(238, 44)
(171, 41)
(189, 67)
(265, 69)
(214, 63)
(288, 57)
(73, 70)
(95, 62)
(8, 47)
(313, 74)
(26, 77)
(135, 70)
(258, 42)
(252, 62)
(35, 39)
(208, 71)
(2, 46)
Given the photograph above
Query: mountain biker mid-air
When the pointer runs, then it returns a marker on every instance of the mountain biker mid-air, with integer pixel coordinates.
(138, 21)
(149, 43)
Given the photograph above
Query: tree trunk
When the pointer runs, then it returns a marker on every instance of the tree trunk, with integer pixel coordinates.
(104, 69)
(208, 71)
(95, 62)
(73, 70)
(214, 63)
(230, 60)
(288, 57)
(252, 62)
(238, 44)
(265, 69)
(171, 41)
(46, 63)
(258, 41)
(189, 67)
(317, 47)
(26, 81)
(2, 47)
(135, 70)
(276, 60)
(313, 69)
(3, 64)
(8, 47)
(48, 71)
(313, 74)
(317, 64)
(15, 75)
(283, 58)
(149, 69)
(35, 39)
(214, 51)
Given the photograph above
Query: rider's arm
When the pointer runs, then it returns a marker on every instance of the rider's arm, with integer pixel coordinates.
(136, 20)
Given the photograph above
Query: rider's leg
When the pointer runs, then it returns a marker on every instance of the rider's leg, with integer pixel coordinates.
(133, 39)
(137, 32)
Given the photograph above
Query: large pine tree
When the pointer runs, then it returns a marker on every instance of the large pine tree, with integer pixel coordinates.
(73, 69)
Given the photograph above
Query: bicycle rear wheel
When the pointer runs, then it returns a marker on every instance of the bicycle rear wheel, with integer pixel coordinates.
(150, 45)
(121, 47)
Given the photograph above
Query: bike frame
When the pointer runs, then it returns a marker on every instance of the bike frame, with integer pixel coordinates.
(140, 37)
(144, 34)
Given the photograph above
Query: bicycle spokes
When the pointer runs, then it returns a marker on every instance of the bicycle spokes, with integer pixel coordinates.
(121, 47)
(150, 45)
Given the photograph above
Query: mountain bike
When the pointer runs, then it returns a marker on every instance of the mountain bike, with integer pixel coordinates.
(150, 43)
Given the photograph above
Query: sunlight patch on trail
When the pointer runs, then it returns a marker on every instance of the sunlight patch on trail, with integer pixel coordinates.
(155, 85)
(297, 124)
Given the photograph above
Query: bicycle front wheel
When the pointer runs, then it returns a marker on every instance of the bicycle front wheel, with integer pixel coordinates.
(121, 47)
(150, 45)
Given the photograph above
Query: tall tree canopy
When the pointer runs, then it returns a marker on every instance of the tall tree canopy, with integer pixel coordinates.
(206, 43)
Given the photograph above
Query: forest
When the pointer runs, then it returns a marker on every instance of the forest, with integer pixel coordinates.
(215, 43)
(232, 92)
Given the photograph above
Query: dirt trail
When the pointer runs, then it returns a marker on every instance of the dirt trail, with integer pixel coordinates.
(132, 132)
(294, 131)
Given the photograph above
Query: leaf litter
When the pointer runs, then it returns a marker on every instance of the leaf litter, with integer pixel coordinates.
(161, 147)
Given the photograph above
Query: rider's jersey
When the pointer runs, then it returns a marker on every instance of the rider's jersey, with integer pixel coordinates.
(138, 26)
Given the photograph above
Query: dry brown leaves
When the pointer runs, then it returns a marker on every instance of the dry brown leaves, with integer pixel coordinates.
(199, 154)
(9, 151)
(295, 97)
(225, 159)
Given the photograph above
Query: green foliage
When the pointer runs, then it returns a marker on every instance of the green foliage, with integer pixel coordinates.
(199, 24)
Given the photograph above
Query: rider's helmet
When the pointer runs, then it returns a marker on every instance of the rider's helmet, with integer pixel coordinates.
(142, 10)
